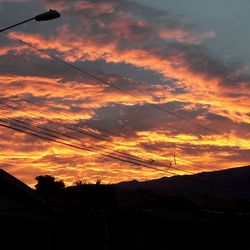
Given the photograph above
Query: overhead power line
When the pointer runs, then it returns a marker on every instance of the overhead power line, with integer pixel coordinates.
(99, 129)
(115, 87)
(111, 151)
(136, 161)
(51, 134)
(99, 79)
(55, 139)
(32, 130)
(11, 102)
(93, 76)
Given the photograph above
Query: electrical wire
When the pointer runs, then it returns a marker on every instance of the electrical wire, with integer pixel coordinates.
(113, 86)
(52, 138)
(99, 79)
(120, 154)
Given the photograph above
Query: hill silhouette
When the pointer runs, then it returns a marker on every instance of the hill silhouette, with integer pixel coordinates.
(230, 184)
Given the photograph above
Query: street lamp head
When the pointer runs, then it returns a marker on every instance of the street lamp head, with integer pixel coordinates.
(51, 14)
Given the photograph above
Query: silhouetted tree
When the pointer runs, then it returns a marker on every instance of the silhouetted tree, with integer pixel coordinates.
(80, 183)
(98, 182)
(47, 183)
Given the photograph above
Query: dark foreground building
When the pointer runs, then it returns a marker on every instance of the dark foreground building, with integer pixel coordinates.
(23, 220)
(101, 217)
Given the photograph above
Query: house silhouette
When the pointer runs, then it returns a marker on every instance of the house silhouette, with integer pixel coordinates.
(16, 195)
(23, 217)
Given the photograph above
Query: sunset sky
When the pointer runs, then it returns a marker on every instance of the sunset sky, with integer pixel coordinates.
(171, 83)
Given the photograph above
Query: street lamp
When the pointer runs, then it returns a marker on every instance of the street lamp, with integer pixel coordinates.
(49, 15)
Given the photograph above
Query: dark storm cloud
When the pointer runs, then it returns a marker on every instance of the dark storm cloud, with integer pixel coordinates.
(133, 25)
(125, 20)
(129, 120)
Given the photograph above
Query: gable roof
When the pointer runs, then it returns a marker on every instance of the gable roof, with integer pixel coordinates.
(12, 189)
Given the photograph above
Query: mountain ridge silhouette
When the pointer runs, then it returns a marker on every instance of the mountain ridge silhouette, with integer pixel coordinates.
(232, 183)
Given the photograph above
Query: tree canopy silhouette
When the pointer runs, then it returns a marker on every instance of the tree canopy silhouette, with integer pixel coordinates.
(47, 183)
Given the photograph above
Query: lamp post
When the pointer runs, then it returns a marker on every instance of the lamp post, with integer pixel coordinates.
(49, 15)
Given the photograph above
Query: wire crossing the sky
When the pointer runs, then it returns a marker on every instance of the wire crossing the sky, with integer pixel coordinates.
(56, 139)
(33, 130)
(113, 86)
(93, 76)
(51, 134)
(111, 150)
(132, 159)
